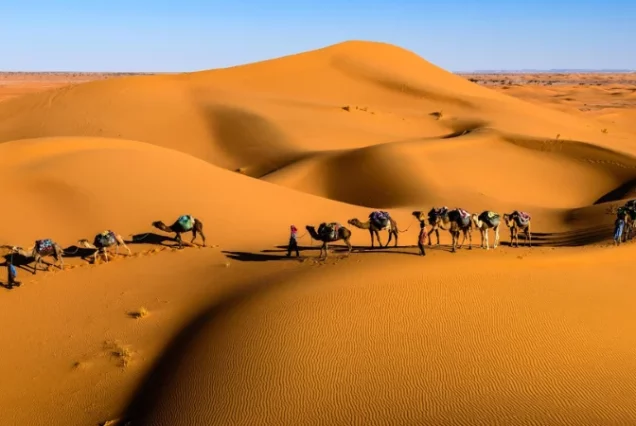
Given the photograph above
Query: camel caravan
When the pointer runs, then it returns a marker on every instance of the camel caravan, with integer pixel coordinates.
(456, 221)
(101, 244)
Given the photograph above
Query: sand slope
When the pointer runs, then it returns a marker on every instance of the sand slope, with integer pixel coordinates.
(379, 336)
(488, 344)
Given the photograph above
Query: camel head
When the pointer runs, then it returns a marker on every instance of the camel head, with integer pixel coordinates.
(353, 222)
(84, 243)
(509, 219)
(159, 225)
(475, 219)
(419, 215)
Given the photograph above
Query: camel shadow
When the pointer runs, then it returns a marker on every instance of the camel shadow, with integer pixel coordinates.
(577, 238)
(399, 249)
(153, 239)
(259, 257)
(78, 252)
(19, 261)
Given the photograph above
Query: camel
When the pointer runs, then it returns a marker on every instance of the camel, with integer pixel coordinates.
(40, 249)
(102, 242)
(375, 226)
(518, 222)
(455, 221)
(327, 235)
(435, 219)
(484, 222)
(185, 223)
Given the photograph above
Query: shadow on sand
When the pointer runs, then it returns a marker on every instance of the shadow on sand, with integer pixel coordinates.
(280, 253)
(154, 239)
(161, 376)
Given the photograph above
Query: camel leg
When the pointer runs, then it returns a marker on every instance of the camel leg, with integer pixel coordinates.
(430, 242)
(377, 235)
(529, 237)
(470, 237)
(390, 237)
(198, 228)
(372, 237)
(38, 259)
(178, 238)
(349, 246)
(95, 256)
(496, 237)
(487, 241)
(395, 233)
(481, 234)
(463, 231)
(106, 254)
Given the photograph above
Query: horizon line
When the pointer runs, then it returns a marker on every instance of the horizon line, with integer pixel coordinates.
(491, 71)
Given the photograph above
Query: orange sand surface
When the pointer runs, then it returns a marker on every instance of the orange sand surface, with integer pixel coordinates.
(235, 332)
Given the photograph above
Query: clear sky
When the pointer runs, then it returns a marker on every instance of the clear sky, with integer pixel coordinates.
(189, 35)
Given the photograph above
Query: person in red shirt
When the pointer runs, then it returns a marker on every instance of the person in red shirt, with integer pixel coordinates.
(293, 243)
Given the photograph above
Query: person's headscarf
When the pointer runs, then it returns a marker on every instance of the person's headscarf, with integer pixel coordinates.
(293, 229)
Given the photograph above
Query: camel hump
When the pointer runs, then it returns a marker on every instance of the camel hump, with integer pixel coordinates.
(186, 221)
(43, 245)
(380, 218)
(463, 213)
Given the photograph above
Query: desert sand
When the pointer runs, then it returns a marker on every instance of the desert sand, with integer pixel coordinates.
(236, 332)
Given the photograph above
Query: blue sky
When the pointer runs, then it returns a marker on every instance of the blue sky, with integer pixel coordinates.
(189, 35)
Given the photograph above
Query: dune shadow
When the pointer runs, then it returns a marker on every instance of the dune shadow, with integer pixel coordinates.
(164, 372)
(623, 191)
(153, 239)
(358, 71)
(255, 145)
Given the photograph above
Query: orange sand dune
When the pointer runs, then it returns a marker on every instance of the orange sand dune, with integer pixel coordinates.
(435, 344)
(514, 335)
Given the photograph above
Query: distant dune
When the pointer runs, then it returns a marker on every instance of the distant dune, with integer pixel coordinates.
(513, 336)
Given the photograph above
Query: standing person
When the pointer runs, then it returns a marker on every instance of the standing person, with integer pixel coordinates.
(619, 225)
(293, 243)
(11, 274)
(421, 240)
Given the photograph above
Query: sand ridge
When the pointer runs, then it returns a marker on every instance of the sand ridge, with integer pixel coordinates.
(515, 336)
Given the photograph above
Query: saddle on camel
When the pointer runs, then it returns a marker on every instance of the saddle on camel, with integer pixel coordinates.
(380, 219)
(329, 230)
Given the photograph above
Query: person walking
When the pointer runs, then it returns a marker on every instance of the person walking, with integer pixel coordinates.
(421, 240)
(619, 226)
(293, 242)
(11, 274)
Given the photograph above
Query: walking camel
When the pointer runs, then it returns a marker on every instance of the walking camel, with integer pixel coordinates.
(518, 222)
(40, 249)
(455, 221)
(185, 223)
(378, 221)
(329, 233)
(437, 218)
(484, 221)
(102, 242)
